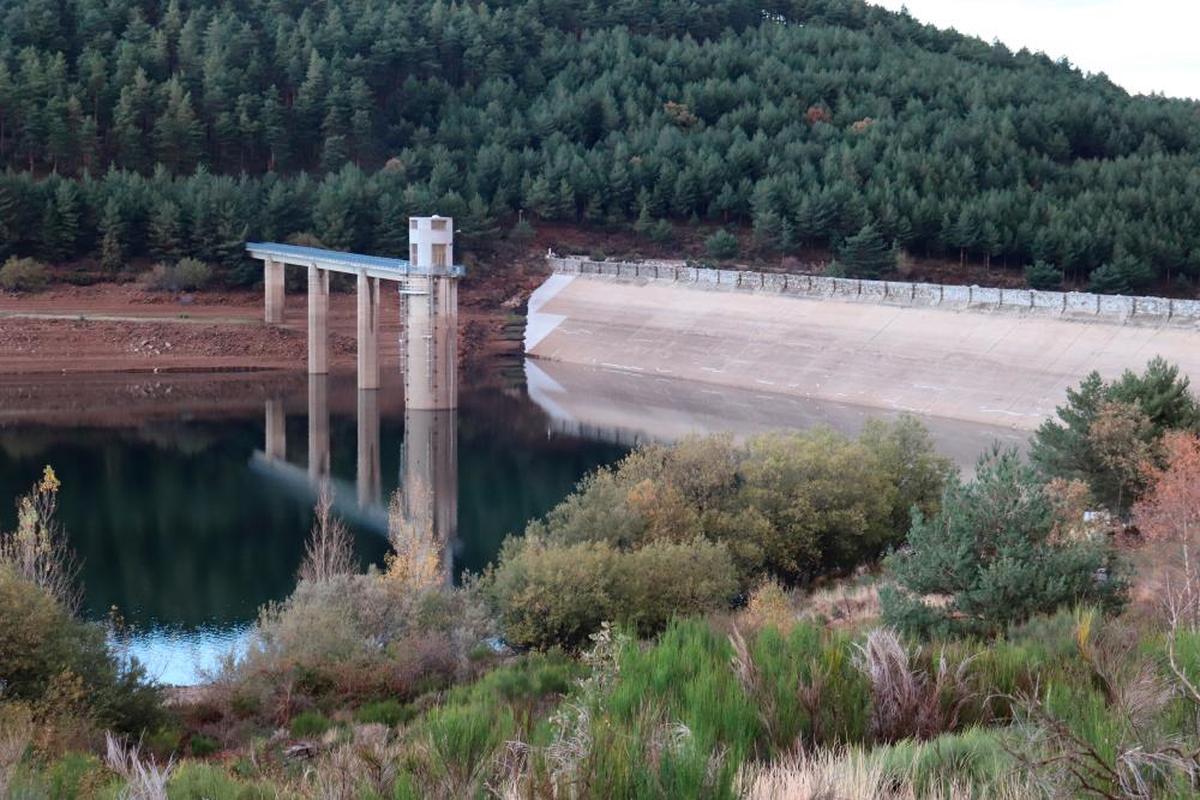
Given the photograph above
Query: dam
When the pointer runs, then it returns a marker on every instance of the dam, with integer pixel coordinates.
(996, 357)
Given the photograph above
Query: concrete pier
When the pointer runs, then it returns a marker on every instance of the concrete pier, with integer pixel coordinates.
(318, 320)
(428, 284)
(273, 291)
(318, 428)
(275, 446)
(368, 332)
(368, 477)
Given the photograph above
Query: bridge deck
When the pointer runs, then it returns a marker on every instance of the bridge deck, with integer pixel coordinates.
(394, 269)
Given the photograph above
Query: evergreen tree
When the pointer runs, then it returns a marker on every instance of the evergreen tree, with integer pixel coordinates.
(866, 255)
(112, 241)
(166, 232)
(991, 552)
(177, 132)
(60, 222)
(1123, 275)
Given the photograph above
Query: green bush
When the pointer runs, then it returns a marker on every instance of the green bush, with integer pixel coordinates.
(43, 648)
(1040, 275)
(203, 746)
(390, 712)
(791, 504)
(192, 274)
(197, 781)
(990, 556)
(69, 777)
(557, 594)
(23, 275)
(721, 245)
(188, 274)
(310, 723)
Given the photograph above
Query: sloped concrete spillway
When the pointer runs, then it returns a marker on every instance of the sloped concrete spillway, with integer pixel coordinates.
(995, 367)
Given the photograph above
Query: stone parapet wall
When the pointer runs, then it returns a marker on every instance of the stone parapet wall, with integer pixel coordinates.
(1108, 308)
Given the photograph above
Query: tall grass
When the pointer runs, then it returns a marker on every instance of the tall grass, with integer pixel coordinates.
(145, 778)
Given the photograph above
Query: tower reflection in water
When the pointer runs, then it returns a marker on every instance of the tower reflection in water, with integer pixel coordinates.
(427, 500)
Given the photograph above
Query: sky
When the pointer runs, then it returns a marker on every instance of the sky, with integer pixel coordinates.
(1143, 46)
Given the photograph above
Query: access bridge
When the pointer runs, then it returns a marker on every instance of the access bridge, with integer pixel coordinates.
(428, 290)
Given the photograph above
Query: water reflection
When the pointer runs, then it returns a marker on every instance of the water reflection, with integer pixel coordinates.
(629, 408)
(428, 483)
(188, 521)
(189, 500)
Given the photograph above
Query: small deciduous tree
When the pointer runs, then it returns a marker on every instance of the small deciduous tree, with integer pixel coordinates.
(1105, 431)
(1170, 512)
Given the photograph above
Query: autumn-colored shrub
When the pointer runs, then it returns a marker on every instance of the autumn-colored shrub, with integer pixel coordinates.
(23, 275)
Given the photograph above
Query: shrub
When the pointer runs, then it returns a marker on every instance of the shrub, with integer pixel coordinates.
(721, 245)
(23, 275)
(1040, 275)
(187, 274)
(988, 559)
(790, 504)
(191, 274)
(203, 746)
(48, 655)
(196, 781)
(308, 724)
(390, 712)
(546, 594)
(908, 701)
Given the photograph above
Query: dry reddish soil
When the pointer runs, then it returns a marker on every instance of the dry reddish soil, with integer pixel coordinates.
(124, 328)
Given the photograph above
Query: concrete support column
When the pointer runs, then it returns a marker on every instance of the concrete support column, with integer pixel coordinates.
(318, 321)
(318, 428)
(276, 430)
(369, 478)
(368, 332)
(273, 292)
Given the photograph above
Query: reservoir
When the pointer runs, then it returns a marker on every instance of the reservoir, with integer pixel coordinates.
(184, 526)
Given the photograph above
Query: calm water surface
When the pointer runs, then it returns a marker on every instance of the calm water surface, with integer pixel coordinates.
(188, 501)
(186, 527)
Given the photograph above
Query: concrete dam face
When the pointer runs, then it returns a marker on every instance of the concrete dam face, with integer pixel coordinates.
(1001, 358)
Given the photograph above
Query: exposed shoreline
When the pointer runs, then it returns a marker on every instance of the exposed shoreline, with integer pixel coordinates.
(121, 328)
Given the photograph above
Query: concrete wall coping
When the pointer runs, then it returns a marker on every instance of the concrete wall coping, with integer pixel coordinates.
(1074, 305)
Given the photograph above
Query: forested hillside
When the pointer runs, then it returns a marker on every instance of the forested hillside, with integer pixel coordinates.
(183, 127)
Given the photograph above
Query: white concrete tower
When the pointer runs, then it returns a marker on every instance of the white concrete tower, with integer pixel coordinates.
(430, 300)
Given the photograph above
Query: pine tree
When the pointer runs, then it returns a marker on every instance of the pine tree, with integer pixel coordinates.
(112, 241)
(991, 552)
(166, 232)
(866, 255)
(60, 222)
